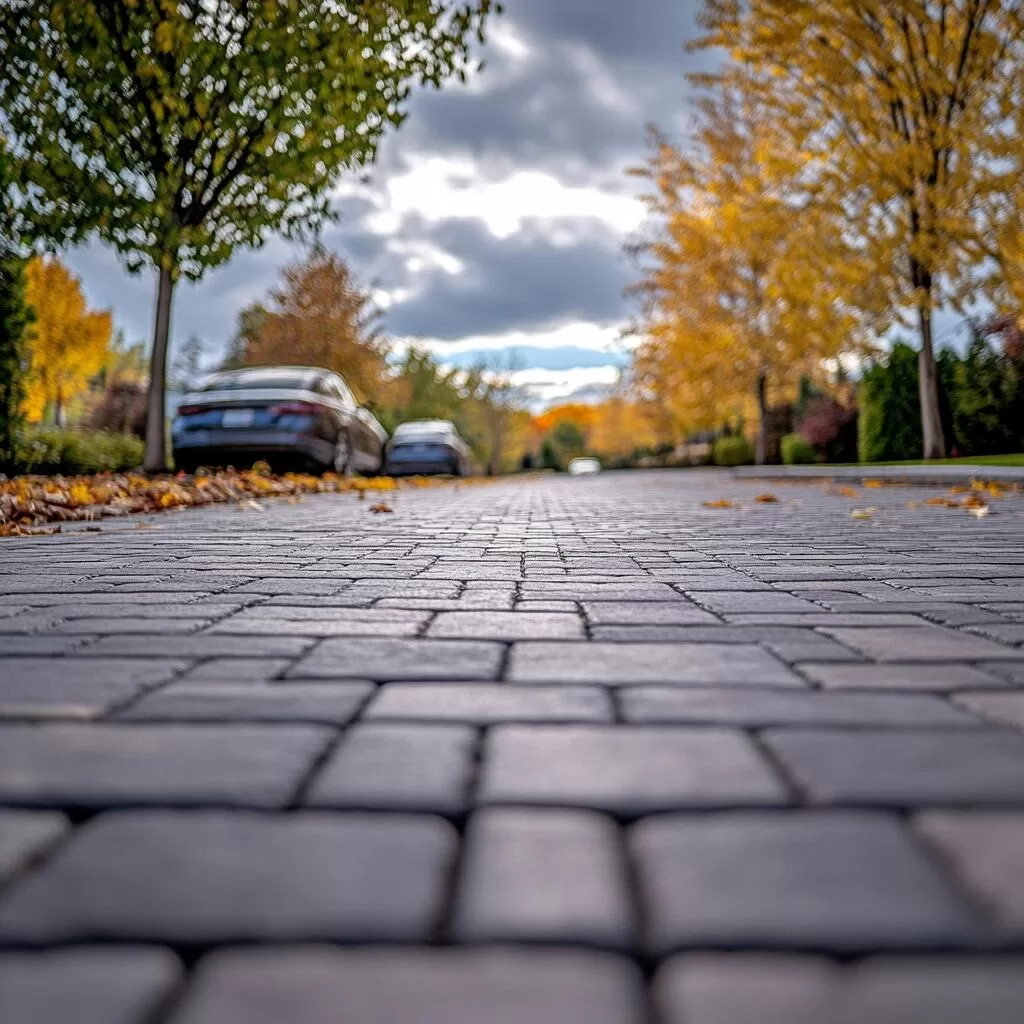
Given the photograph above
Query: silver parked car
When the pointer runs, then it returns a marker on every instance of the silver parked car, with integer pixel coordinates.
(428, 446)
(289, 416)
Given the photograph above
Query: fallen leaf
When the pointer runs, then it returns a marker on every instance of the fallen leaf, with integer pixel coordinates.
(913, 504)
(381, 506)
(862, 513)
(721, 503)
(766, 499)
(248, 505)
(874, 484)
(979, 511)
(846, 492)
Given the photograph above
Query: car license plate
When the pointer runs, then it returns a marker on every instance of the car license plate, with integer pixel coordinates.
(237, 418)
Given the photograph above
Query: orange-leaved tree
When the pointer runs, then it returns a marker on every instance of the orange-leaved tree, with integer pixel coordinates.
(320, 316)
(68, 343)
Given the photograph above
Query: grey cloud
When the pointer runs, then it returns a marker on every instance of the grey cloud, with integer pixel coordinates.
(577, 102)
(523, 282)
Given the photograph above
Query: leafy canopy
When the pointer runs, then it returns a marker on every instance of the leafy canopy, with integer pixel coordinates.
(183, 129)
(911, 108)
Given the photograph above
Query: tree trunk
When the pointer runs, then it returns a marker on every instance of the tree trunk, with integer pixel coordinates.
(931, 419)
(761, 451)
(58, 411)
(155, 457)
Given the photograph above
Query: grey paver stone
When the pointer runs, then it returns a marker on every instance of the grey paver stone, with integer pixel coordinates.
(490, 703)
(543, 876)
(646, 613)
(595, 662)
(199, 877)
(428, 986)
(384, 660)
(139, 764)
(757, 706)
(398, 767)
(625, 770)
(357, 622)
(902, 768)
(117, 625)
(85, 986)
(939, 678)
(326, 703)
(831, 881)
(481, 625)
(203, 646)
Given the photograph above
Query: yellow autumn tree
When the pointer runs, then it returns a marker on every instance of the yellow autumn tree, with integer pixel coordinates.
(68, 342)
(748, 281)
(907, 108)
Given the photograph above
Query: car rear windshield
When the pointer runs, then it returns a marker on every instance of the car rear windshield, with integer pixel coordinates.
(423, 441)
(260, 383)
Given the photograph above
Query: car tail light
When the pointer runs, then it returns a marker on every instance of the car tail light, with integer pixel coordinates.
(190, 410)
(293, 409)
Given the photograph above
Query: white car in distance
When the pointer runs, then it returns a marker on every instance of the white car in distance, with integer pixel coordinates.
(584, 466)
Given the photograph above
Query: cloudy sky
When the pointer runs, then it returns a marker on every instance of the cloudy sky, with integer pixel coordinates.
(495, 217)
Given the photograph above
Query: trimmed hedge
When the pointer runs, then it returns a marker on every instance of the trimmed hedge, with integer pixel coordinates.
(48, 450)
(796, 451)
(732, 451)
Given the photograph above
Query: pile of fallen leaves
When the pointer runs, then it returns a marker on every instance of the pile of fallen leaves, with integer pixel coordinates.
(28, 504)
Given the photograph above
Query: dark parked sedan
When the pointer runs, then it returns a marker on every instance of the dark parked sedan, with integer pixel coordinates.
(428, 446)
(286, 415)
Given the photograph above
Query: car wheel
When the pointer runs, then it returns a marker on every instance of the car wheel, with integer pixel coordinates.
(342, 463)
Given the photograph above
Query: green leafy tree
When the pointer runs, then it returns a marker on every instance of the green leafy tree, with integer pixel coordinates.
(15, 317)
(983, 402)
(181, 130)
(889, 427)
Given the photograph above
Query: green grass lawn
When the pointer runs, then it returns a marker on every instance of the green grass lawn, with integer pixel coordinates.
(979, 460)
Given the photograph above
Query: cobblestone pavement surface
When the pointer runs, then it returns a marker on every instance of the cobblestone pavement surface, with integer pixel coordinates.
(546, 751)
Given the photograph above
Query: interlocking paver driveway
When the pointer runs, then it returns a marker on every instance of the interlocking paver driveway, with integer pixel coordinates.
(545, 751)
